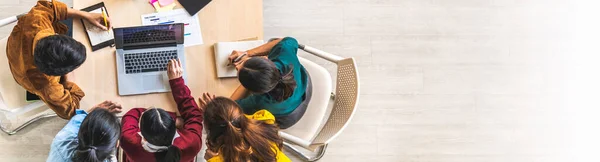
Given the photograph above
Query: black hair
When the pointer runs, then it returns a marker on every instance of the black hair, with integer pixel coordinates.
(97, 136)
(158, 128)
(58, 55)
(261, 76)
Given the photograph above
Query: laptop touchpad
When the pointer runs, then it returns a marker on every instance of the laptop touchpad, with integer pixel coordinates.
(152, 82)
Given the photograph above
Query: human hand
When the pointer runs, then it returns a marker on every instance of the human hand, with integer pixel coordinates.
(112, 107)
(98, 20)
(66, 78)
(239, 64)
(179, 122)
(205, 99)
(235, 54)
(174, 69)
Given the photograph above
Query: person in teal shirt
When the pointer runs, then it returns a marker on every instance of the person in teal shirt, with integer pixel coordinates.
(273, 79)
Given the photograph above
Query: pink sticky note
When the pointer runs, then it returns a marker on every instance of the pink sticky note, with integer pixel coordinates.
(152, 1)
(165, 2)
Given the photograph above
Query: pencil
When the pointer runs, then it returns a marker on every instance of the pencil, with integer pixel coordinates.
(104, 16)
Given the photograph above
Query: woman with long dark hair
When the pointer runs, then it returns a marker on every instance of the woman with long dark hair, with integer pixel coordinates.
(88, 137)
(151, 135)
(272, 78)
(236, 137)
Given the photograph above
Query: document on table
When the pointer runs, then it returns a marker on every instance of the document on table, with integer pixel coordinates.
(192, 33)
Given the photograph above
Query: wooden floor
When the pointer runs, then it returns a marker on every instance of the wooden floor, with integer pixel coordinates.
(441, 81)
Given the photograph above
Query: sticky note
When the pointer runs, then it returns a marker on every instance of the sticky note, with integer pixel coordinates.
(162, 9)
(165, 2)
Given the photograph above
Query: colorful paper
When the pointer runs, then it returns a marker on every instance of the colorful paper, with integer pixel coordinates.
(165, 2)
(192, 35)
(163, 9)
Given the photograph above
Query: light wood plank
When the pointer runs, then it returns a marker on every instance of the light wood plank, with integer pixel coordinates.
(218, 23)
(442, 81)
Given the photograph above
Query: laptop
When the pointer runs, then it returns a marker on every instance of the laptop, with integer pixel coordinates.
(143, 53)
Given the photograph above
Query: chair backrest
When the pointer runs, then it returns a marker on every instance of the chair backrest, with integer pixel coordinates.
(306, 129)
(346, 101)
(12, 95)
(6, 100)
(3, 68)
(13, 104)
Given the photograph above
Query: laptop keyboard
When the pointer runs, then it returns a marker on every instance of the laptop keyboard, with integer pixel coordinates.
(148, 61)
(148, 34)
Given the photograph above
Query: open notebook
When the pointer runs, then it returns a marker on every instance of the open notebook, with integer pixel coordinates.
(224, 49)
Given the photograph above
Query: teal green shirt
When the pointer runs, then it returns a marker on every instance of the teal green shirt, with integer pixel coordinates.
(283, 54)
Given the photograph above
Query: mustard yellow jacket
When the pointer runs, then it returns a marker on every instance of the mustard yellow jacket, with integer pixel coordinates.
(41, 21)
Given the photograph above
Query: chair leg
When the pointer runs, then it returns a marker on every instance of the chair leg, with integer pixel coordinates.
(305, 157)
(33, 120)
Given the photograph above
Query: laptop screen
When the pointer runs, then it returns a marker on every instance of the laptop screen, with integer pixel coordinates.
(148, 35)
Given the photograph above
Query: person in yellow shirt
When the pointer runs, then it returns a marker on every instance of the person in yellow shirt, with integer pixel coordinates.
(236, 137)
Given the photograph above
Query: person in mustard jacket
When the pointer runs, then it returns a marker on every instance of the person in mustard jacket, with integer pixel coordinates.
(236, 137)
(40, 56)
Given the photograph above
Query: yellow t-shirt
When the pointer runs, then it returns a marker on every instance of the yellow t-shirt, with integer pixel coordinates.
(269, 118)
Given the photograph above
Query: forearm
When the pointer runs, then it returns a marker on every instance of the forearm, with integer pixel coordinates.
(73, 13)
(239, 93)
(64, 100)
(74, 90)
(182, 96)
(264, 49)
(187, 106)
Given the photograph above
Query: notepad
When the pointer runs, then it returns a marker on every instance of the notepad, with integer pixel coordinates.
(224, 49)
(97, 37)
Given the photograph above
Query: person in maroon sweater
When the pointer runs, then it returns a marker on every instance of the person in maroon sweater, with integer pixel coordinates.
(150, 135)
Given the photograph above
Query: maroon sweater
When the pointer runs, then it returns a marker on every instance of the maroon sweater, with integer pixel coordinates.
(190, 139)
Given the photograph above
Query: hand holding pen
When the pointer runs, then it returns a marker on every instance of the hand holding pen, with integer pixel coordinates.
(236, 56)
(104, 16)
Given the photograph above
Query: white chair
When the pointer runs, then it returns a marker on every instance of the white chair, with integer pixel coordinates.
(9, 20)
(314, 131)
(12, 95)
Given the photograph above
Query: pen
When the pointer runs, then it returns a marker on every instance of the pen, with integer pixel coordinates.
(238, 58)
(104, 16)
